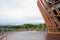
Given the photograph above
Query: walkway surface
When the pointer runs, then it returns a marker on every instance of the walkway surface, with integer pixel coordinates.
(26, 35)
(32, 35)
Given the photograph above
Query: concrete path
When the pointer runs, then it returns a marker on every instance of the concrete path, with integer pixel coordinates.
(26, 35)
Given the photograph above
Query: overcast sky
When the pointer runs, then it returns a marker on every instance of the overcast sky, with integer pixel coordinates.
(19, 12)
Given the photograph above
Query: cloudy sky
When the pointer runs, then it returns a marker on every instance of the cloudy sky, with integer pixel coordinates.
(19, 12)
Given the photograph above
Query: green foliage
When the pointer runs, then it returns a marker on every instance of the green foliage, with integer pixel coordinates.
(26, 26)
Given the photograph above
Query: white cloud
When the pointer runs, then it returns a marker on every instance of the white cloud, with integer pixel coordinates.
(19, 11)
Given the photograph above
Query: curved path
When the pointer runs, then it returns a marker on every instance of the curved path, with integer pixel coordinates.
(26, 35)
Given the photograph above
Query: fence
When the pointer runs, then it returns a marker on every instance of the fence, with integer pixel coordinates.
(6, 31)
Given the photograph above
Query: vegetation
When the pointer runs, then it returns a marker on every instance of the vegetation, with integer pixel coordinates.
(26, 27)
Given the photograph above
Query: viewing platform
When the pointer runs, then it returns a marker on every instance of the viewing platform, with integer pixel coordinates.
(31, 35)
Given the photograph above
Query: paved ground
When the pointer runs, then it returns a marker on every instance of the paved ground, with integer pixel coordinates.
(32, 35)
(53, 37)
(26, 35)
